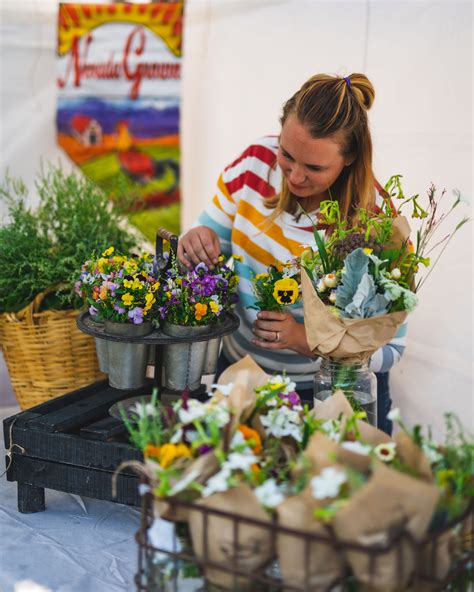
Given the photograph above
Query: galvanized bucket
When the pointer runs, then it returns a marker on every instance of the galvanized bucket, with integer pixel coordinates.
(127, 361)
(183, 363)
(101, 350)
(212, 354)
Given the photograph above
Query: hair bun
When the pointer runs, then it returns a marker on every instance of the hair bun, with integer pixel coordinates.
(362, 89)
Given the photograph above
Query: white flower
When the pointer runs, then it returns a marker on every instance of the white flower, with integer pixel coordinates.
(386, 451)
(144, 410)
(192, 436)
(333, 297)
(328, 483)
(217, 412)
(224, 389)
(237, 440)
(184, 482)
(331, 429)
(177, 436)
(217, 483)
(195, 410)
(330, 280)
(283, 422)
(290, 271)
(410, 300)
(394, 414)
(269, 494)
(429, 448)
(357, 447)
(240, 461)
(396, 273)
(288, 385)
(321, 286)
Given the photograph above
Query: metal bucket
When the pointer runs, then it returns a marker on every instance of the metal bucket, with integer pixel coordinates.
(127, 361)
(212, 354)
(101, 350)
(183, 363)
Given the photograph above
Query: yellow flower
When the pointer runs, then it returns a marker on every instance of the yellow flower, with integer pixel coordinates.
(149, 298)
(170, 452)
(200, 311)
(101, 263)
(154, 287)
(137, 284)
(220, 258)
(214, 306)
(368, 250)
(108, 252)
(127, 299)
(261, 276)
(128, 283)
(285, 291)
(238, 258)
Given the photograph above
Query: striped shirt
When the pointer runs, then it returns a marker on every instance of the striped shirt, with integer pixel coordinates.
(236, 214)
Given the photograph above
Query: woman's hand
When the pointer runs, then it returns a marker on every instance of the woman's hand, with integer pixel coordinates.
(279, 330)
(199, 244)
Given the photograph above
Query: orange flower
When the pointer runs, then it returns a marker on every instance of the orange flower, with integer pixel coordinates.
(255, 468)
(200, 311)
(152, 451)
(251, 434)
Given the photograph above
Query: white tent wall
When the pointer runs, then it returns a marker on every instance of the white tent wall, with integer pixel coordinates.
(242, 60)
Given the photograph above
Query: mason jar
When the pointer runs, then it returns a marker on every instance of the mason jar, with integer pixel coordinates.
(357, 382)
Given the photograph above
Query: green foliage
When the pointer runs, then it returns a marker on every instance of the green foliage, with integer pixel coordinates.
(45, 247)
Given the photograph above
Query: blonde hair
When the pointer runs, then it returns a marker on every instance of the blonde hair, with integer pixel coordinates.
(328, 105)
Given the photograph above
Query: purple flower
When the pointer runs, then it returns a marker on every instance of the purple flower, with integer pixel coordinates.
(293, 398)
(112, 287)
(136, 315)
(93, 311)
(203, 449)
(119, 309)
(77, 288)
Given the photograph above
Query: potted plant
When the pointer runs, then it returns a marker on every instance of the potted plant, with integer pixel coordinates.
(193, 302)
(41, 249)
(121, 291)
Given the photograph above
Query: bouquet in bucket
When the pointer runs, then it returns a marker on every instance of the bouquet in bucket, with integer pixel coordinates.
(119, 288)
(197, 296)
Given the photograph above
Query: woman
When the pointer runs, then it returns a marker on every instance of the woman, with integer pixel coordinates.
(324, 152)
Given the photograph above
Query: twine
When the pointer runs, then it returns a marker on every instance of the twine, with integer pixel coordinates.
(9, 451)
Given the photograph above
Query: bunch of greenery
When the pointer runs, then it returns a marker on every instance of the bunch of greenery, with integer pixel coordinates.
(44, 247)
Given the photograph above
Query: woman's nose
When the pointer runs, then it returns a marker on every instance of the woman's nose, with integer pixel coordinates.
(297, 175)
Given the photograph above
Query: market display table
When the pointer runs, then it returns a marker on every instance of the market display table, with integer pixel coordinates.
(72, 444)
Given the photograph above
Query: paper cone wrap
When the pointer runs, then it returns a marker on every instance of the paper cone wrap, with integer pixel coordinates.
(346, 340)
(248, 547)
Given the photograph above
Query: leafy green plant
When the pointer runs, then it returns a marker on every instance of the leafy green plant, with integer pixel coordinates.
(44, 247)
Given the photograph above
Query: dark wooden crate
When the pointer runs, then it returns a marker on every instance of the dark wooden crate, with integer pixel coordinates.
(72, 444)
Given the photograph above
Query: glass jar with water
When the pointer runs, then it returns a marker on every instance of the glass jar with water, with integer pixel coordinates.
(356, 380)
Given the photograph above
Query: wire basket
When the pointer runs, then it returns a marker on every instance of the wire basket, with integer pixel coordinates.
(46, 354)
(174, 567)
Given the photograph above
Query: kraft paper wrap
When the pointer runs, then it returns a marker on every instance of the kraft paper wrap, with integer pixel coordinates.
(248, 547)
(312, 565)
(346, 340)
(246, 375)
(389, 502)
(206, 466)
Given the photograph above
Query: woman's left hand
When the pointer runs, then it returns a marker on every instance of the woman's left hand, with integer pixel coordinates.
(278, 330)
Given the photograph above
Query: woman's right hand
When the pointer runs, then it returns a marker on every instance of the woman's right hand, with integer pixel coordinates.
(199, 244)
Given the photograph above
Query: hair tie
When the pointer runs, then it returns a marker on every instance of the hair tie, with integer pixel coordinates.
(348, 81)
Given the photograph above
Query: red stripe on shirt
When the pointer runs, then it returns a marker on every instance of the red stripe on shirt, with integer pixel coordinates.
(261, 152)
(253, 181)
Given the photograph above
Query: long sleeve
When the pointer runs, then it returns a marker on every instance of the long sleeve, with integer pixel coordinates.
(390, 354)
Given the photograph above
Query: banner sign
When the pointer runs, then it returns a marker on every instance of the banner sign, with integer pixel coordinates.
(119, 72)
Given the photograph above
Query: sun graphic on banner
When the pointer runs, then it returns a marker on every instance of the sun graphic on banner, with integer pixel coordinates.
(164, 19)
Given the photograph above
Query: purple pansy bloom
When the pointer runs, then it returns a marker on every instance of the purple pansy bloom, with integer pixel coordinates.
(119, 309)
(93, 311)
(136, 315)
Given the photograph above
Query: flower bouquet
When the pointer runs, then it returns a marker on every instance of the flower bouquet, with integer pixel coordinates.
(277, 287)
(360, 284)
(121, 291)
(193, 302)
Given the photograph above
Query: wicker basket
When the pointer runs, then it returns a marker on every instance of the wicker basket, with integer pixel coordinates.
(46, 354)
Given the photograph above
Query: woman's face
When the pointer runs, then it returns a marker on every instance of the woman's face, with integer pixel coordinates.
(309, 165)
